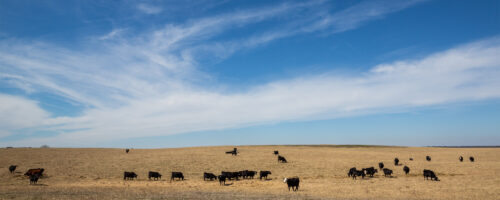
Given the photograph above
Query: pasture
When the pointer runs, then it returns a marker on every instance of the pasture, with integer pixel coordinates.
(98, 173)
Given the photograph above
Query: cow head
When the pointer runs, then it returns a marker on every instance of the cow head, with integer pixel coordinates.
(284, 180)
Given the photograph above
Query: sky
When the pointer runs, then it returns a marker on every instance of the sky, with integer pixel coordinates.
(160, 74)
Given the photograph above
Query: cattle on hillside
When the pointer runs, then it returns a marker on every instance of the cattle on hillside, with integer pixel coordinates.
(351, 172)
(430, 174)
(154, 175)
(129, 175)
(387, 172)
(411, 159)
(292, 183)
(406, 169)
(357, 173)
(231, 175)
(396, 161)
(12, 168)
(370, 171)
(380, 165)
(177, 175)
(461, 158)
(276, 152)
(247, 174)
(209, 176)
(127, 150)
(428, 158)
(264, 174)
(234, 152)
(471, 159)
(34, 178)
(281, 159)
(222, 179)
(37, 171)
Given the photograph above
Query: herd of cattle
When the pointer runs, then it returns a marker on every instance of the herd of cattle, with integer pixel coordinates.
(293, 182)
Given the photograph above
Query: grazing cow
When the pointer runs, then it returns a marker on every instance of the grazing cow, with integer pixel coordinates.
(37, 171)
(387, 172)
(292, 183)
(231, 175)
(430, 174)
(209, 176)
(222, 179)
(154, 175)
(178, 175)
(234, 152)
(411, 159)
(380, 165)
(471, 159)
(396, 161)
(461, 158)
(12, 168)
(370, 171)
(263, 174)
(247, 174)
(428, 158)
(34, 178)
(129, 175)
(406, 169)
(276, 152)
(351, 172)
(281, 159)
(358, 173)
(127, 150)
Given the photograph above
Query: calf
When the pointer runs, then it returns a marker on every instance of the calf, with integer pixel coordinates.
(292, 183)
(281, 159)
(406, 169)
(209, 176)
(154, 175)
(34, 178)
(380, 165)
(428, 158)
(396, 161)
(370, 171)
(263, 174)
(178, 175)
(430, 174)
(37, 171)
(12, 168)
(222, 179)
(471, 159)
(461, 158)
(129, 175)
(276, 153)
(387, 172)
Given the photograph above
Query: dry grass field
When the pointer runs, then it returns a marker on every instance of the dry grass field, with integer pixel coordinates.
(98, 173)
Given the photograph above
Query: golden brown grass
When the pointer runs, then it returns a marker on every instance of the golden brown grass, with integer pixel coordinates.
(97, 173)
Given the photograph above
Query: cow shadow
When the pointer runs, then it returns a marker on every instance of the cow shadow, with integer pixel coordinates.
(228, 184)
(39, 185)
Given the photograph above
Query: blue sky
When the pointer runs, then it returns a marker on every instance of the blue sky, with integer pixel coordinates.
(150, 74)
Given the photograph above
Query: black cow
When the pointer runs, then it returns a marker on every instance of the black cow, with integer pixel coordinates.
(34, 178)
(380, 165)
(12, 168)
(37, 171)
(428, 158)
(276, 152)
(234, 152)
(209, 176)
(370, 171)
(231, 175)
(292, 183)
(461, 158)
(430, 174)
(281, 159)
(263, 174)
(396, 161)
(222, 179)
(406, 169)
(247, 174)
(154, 175)
(178, 175)
(471, 159)
(387, 172)
(129, 175)
(127, 150)
(358, 173)
(351, 172)
(411, 159)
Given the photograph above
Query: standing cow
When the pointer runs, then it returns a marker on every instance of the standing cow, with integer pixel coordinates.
(471, 159)
(12, 168)
(281, 159)
(428, 158)
(34, 178)
(263, 174)
(127, 150)
(461, 158)
(396, 161)
(178, 175)
(380, 165)
(292, 183)
(406, 169)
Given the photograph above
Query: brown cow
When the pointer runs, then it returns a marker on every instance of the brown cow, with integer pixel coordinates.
(37, 171)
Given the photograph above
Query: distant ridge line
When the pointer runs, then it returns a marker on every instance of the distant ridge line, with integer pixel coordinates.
(466, 146)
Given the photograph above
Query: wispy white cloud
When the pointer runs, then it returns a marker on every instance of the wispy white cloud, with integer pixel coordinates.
(149, 9)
